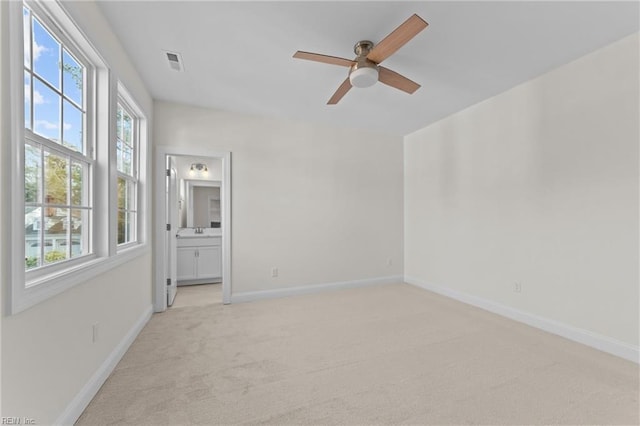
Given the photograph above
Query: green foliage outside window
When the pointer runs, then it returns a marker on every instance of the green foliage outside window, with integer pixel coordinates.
(54, 256)
(31, 262)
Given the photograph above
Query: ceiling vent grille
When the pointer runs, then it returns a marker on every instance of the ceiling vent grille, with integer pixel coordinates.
(175, 61)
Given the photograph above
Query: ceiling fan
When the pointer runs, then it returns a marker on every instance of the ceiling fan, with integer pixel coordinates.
(365, 69)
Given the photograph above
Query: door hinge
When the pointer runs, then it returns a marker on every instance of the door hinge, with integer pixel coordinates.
(168, 281)
(168, 227)
(168, 172)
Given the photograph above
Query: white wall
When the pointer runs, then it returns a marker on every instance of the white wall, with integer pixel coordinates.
(322, 204)
(537, 185)
(47, 350)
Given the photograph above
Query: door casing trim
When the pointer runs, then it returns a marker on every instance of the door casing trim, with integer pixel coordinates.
(159, 229)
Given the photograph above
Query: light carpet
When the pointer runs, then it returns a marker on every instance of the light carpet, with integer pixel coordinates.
(392, 354)
(198, 295)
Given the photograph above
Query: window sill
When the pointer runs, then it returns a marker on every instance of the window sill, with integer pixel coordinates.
(45, 287)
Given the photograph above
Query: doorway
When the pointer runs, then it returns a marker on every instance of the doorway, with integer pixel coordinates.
(175, 173)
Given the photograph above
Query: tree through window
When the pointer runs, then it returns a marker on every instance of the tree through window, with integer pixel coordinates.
(127, 166)
(57, 157)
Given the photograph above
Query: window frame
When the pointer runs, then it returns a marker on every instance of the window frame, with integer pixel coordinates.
(100, 128)
(124, 101)
(45, 144)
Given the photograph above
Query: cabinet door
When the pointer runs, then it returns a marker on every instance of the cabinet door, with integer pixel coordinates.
(209, 262)
(186, 263)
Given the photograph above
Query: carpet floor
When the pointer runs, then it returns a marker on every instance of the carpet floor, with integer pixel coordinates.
(198, 295)
(392, 354)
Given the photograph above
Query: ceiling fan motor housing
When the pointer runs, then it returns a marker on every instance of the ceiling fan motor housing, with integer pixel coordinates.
(363, 73)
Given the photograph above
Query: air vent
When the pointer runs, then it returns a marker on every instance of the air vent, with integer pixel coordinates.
(175, 61)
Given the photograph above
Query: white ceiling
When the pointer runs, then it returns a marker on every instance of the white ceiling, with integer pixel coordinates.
(237, 55)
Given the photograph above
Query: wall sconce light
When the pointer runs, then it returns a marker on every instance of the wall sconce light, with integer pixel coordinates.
(198, 168)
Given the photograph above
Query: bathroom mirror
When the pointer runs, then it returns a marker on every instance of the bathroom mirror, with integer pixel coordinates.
(200, 204)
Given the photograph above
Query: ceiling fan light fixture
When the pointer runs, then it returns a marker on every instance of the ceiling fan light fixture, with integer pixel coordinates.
(364, 77)
(364, 70)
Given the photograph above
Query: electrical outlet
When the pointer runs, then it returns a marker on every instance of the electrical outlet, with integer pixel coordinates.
(94, 330)
(389, 262)
(274, 272)
(517, 287)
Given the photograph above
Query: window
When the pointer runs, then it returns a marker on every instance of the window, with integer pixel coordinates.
(81, 193)
(127, 166)
(57, 153)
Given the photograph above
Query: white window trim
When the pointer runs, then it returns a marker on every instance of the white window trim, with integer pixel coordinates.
(141, 166)
(23, 295)
(133, 112)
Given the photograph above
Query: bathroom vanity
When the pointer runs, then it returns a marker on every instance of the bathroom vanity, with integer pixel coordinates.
(199, 256)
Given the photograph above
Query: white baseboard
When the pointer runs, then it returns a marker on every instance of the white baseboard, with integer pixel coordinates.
(250, 296)
(89, 390)
(594, 340)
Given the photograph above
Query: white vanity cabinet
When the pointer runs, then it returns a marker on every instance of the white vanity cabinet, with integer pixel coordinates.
(199, 260)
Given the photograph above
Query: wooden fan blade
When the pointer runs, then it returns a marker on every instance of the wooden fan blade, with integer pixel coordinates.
(326, 59)
(398, 38)
(342, 90)
(393, 79)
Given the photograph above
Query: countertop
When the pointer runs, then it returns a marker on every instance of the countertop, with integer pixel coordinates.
(207, 233)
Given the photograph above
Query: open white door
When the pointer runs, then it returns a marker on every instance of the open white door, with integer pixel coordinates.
(172, 229)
